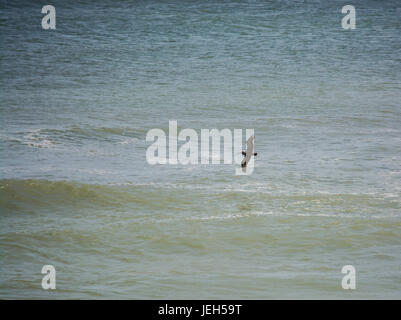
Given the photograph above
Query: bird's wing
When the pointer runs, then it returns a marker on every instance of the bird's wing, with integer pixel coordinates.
(249, 145)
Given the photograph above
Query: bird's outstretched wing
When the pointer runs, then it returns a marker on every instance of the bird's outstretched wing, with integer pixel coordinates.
(249, 145)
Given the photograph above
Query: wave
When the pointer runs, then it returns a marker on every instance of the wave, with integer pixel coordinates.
(29, 194)
(26, 194)
(187, 200)
(107, 131)
(51, 137)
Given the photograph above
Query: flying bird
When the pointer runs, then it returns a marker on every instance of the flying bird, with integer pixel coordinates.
(248, 153)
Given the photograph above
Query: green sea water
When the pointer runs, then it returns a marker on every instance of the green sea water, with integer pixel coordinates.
(76, 191)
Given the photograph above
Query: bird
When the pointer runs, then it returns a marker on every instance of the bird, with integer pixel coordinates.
(249, 152)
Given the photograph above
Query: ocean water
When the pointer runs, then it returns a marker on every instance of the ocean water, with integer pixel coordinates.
(76, 191)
